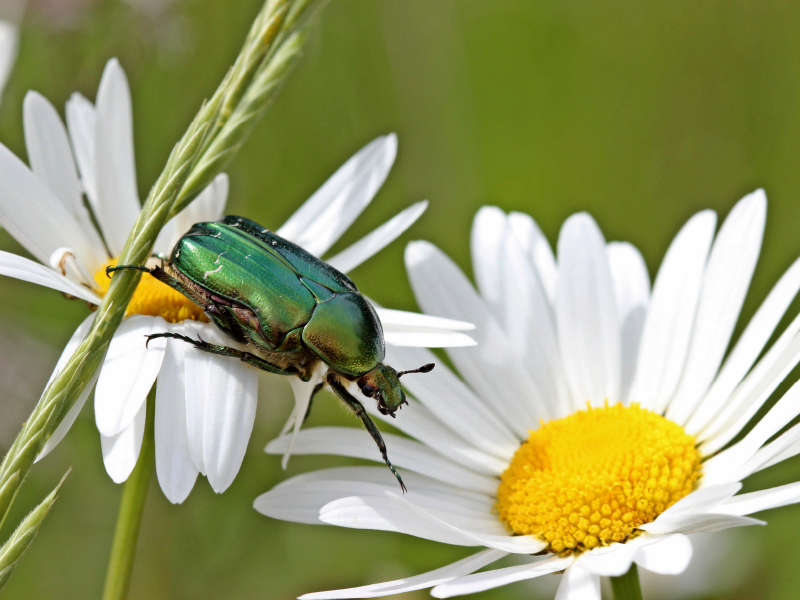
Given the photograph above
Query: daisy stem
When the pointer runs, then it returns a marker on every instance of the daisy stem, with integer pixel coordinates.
(131, 508)
(626, 587)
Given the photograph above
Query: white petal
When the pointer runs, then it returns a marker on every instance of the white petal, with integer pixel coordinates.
(578, 584)
(27, 270)
(301, 498)
(537, 246)
(174, 467)
(418, 582)
(632, 294)
(324, 217)
(784, 446)
(81, 125)
(118, 197)
(670, 317)
(404, 453)
(753, 502)
(121, 451)
(420, 423)
(225, 389)
(401, 328)
(302, 390)
(498, 376)
(9, 40)
(754, 391)
(455, 405)
(51, 160)
(708, 522)
(725, 465)
(32, 213)
(479, 582)
(610, 561)
(368, 246)
(72, 414)
(128, 373)
(730, 268)
(486, 243)
(670, 555)
(208, 206)
(529, 322)
(586, 314)
(748, 348)
(704, 500)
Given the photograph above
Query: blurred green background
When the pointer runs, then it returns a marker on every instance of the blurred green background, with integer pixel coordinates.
(641, 113)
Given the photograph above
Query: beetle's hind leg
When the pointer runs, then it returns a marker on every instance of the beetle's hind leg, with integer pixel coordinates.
(358, 408)
(245, 357)
(314, 392)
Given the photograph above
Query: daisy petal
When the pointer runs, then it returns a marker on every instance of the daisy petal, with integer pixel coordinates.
(81, 125)
(479, 582)
(754, 391)
(669, 555)
(73, 412)
(538, 248)
(9, 40)
(404, 453)
(174, 467)
(401, 328)
(128, 373)
(486, 244)
(121, 451)
(51, 160)
(402, 318)
(302, 390)
(753, 502)
(610, 561)
(421, 424)
(418, 582)
(670, 317)
(708, 522)
(748, 347)
(325, 216)
(632, 294)
(730, 268)
(785, 446)
(368, 246)
(34, 215)
(499, 379)
(226, 390)
(118, 203)
(454, 403)
(27, 270)
(586, 314)
(578, 584)
(703, 500)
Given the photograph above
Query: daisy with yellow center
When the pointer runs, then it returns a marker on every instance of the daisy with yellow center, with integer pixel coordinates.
(591, 428)
(205, 405)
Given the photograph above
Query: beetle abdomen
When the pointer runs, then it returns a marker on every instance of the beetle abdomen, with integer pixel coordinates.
(345, 333)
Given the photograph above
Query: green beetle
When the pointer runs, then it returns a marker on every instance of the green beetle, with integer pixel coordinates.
(288, 308)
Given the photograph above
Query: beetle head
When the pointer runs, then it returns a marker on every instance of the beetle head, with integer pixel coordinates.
(383, 384)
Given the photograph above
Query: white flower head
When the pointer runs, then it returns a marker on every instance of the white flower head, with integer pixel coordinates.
(205, 404)
(589, 425)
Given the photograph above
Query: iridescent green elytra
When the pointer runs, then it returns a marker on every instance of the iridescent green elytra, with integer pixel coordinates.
(288, 308)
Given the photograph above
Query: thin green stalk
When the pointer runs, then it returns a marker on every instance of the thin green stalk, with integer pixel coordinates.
(626, 587)
(131, 508)
(210, 142)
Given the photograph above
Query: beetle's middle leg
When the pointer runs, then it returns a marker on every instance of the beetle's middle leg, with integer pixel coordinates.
(245, 357)
(358, 408)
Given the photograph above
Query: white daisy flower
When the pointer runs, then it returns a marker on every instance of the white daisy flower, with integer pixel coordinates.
(592, 423)
(205, 404)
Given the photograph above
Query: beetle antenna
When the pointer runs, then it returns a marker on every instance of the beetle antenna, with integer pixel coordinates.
(423, 369)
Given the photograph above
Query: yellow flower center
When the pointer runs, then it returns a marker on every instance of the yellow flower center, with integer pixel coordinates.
(155, 299)
(592, 478)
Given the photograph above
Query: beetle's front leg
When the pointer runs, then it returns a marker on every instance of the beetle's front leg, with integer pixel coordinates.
(316, 389)
(245, 357)
(157, 272)
(358, 408)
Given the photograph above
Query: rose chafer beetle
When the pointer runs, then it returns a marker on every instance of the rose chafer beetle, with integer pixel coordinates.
(289, 309)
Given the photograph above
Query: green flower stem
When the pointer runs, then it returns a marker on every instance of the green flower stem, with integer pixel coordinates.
(626, 587)
(217, 132)
(131, 508)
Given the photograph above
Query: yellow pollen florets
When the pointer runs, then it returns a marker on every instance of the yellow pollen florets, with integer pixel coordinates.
(155, 299)
(592, 478)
